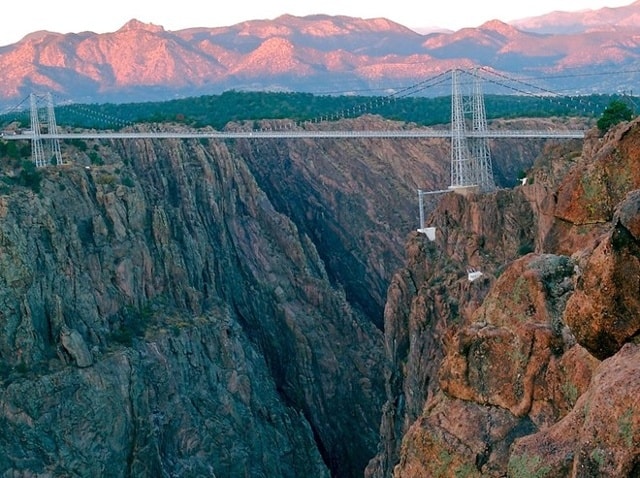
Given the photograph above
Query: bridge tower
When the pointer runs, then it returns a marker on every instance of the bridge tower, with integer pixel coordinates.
(44, 153)
(471, 168)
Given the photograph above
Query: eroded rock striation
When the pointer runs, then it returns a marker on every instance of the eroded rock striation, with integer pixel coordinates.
(162, 315)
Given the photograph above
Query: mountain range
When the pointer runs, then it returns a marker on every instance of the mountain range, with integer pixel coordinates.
(586, 52)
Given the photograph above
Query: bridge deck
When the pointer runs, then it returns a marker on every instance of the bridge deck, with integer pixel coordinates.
(294, 134)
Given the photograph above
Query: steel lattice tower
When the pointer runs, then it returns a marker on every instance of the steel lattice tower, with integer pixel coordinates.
(470, 156)
(37, 151)
(44, 154)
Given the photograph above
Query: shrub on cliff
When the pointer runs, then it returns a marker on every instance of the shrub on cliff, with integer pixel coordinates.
(30, 176)
(615, 113)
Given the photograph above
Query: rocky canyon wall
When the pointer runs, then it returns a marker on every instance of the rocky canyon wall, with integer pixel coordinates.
(161, 318)
(190, 308)
(532, 368)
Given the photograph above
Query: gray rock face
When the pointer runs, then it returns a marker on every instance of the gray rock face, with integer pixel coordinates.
(76, 347)
(192, 402)
(160, 318)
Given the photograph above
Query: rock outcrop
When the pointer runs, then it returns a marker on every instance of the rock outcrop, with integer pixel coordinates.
(73, 343)
(600, 435)
(190, 401)
(502, 375)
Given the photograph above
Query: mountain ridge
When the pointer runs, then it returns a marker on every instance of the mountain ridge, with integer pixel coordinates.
(316, 53)
(575, 22)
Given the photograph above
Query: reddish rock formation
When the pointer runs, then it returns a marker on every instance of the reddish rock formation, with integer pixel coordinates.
(601, 435)
(594, 203)
(510, 379)
(512, 370)
(604, 312)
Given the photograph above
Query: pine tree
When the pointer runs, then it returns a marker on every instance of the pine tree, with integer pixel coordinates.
(615, 113)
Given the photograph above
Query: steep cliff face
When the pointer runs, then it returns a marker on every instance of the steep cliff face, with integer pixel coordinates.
(196, 401)
(502, 375)
(357, 199)
(159, 318)
(354, 199)
(432, 298)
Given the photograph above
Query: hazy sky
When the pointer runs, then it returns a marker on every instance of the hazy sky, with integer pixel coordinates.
(64, 16)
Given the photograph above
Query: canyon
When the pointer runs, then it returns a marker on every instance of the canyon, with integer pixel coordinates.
(266, 308)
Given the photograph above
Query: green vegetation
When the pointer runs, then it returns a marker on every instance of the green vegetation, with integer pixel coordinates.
(517, 357)
(520, 291)
(218, 110)
(525, 248)
(570, 392)
(615, 113)
(30, 176)
(23, 173)
(465, 471)
(5, 371)
(525, 466)
(134, 323)
(595, 190)
(14, 150)
(598, 457)
(95, 159)
(444, 466)
(128, 182)
(78, 143)
(625, 427)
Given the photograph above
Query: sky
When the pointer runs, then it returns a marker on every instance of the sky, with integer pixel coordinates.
(66, 16)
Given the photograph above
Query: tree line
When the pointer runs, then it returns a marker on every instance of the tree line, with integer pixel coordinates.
(235, 106)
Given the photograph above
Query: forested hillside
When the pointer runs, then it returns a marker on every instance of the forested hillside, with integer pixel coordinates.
(218, 110)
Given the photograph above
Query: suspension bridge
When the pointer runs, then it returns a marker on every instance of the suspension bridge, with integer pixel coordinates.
(471, 167)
